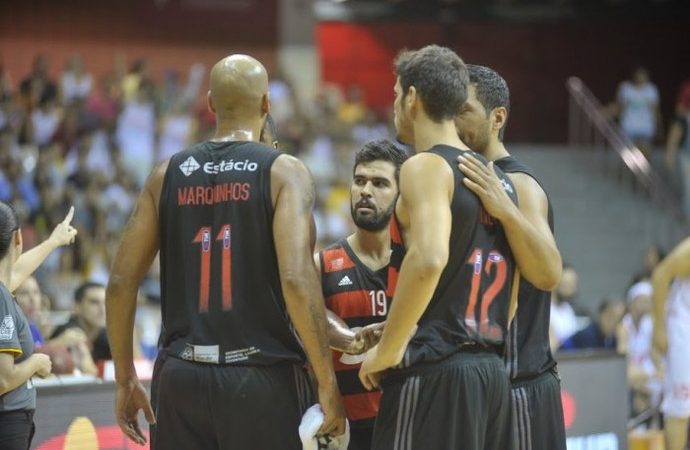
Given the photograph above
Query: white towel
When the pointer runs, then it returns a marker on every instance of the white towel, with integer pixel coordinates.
(311, 422)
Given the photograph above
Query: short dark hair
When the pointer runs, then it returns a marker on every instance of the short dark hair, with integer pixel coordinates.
(492, 90)
(381, 150)
(9, 223)
(438, 75)
(80, 293)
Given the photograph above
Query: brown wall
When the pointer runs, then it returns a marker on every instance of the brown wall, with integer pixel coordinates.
(535, 59)
(171, 36)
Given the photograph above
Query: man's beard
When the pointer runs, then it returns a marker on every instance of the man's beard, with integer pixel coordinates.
(371, 222)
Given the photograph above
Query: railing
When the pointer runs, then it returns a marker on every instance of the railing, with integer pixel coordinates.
(589, 125)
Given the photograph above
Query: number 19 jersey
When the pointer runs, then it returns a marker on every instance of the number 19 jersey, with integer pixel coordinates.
(360, 297)
(470, 304)
(221, 296)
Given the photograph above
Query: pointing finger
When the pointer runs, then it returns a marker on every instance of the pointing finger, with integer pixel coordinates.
(68, 217)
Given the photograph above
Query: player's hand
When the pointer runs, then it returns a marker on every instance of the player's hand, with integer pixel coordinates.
(372, 368)
(483, 181)
(660, 339)
(129, 399)
(43, 365)
(64, 233)
(368, 336)
(333, 410)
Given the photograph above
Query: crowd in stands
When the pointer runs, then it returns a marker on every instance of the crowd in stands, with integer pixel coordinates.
(622, 323)
(75, 139)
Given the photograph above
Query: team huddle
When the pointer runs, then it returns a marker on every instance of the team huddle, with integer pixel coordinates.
(427, 327)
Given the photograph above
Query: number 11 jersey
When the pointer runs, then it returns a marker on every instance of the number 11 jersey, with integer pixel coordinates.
(221, 297)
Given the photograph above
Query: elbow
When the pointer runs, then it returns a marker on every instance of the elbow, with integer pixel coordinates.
(293, 281)
(429, 263)
(4, 386)
(549, 279)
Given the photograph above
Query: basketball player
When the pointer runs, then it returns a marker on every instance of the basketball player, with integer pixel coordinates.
(671, 296)
(233, 221)
(536, 392)
(354, 278)
(447, 388)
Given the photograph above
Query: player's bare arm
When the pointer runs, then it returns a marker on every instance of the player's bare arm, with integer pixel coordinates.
(526, 225)
(676, 264)
(133, 259)
(426, 189)
(293, 196)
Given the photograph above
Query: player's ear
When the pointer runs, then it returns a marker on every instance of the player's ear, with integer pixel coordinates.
(499, 117)
(209, 102)
(265, 105)
(411, 100)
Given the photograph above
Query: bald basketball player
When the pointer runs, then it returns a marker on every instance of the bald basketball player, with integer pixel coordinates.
(232, 219)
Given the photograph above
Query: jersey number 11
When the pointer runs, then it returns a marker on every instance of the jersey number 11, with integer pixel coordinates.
(203, 237)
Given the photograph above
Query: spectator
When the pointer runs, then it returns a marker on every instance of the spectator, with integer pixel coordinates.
(74, 340)
(131, 82)
(135, 134)
(177, 130)
(634, 339)
(600, 333)
(76, 83)
(638, 106)
(30, 299)
(652, 256)
(563, 319)
(353, 109)
(38, 86)
(45, 121)
(89, 316)
(678, 146)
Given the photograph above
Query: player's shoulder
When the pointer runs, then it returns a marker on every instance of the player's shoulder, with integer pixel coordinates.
(424, 163)
(286, 165)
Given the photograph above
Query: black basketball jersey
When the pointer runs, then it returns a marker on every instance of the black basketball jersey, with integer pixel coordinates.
(221, 296)
(360, 297)
(471, 301)
(528, 353)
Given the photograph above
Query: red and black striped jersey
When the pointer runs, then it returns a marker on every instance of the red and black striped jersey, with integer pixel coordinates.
(360, 297)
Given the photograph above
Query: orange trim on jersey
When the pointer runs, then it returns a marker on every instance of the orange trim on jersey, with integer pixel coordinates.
(362, 406)
(392, 281)
(350, 304)
(336, 259)
(395, 231)
(18, 351)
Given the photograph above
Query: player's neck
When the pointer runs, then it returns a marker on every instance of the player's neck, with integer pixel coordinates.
(495, 150)
(6, 271)
(428, 133)
(373, 248)
(236, 131)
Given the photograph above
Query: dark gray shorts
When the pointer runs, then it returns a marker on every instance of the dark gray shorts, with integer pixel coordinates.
(213, 407)
(461, 402)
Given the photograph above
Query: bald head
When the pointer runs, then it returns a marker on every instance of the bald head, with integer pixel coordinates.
(238, 88)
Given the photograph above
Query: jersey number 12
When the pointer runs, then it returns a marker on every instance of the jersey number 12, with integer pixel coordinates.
(479, 268)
